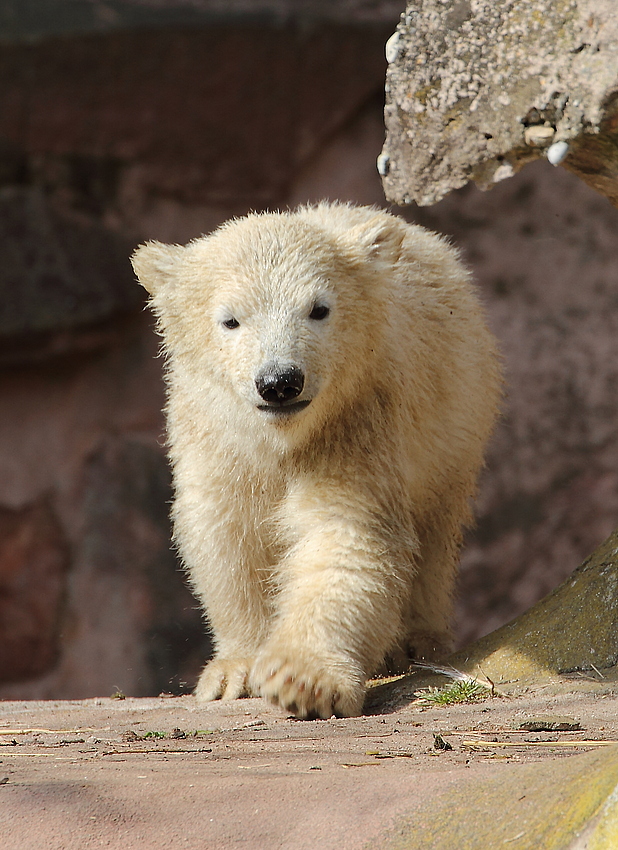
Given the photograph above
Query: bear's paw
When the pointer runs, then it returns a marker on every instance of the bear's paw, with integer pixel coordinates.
(308, 687)
(224, 678)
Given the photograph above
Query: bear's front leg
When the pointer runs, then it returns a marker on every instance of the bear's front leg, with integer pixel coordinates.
(227, 566)
(239, 617)
(339, 612)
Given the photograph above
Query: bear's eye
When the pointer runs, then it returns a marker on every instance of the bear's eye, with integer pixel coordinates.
(320, 311)
(231, 324)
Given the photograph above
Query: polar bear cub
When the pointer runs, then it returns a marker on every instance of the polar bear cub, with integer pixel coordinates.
(331, 387)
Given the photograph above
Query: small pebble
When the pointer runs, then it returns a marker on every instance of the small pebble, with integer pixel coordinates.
(129, 736)
(538, 136)
(503, 172)
(557, 152)
(383, 164)
(392, 48)
(440, 744)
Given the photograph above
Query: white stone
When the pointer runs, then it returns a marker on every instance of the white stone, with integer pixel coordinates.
(503, 172)
(392, 48)
(382, 163)
(557, 152)
(539, 136)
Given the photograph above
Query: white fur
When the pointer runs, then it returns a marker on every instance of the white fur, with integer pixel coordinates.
(321, 544)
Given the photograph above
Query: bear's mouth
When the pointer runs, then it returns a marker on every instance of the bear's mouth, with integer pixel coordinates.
(284, 408)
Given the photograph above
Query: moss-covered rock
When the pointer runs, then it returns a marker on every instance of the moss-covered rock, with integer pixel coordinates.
(573, 628)
(545, 806)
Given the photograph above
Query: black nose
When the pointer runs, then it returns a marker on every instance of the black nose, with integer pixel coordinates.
(279, 385)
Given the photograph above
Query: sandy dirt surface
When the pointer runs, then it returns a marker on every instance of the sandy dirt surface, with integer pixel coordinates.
(167, 772)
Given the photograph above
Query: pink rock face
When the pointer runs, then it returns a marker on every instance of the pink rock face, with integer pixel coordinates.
(33, 566)
(543, 247)
(90, 592)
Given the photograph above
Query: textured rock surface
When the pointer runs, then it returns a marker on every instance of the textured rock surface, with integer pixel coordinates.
(474, 91)
(545, 806)
(181, 112)
(91, 596)
(99, 773)
(58, 272)
(34, 560)
(543, 248)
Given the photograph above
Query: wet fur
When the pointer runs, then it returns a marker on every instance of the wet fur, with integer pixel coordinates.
(322, 545)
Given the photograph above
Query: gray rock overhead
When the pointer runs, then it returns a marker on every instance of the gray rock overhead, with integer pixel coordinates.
(475, 90)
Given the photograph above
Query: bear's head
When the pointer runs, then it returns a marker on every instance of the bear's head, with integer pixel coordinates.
(273, 321)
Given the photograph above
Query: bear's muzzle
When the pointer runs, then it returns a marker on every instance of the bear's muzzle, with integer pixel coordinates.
(280, 387)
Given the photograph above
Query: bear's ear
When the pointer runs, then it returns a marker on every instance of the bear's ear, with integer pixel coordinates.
(155, 264)
(380, 239)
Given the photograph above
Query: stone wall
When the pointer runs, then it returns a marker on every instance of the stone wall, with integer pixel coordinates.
(543, 247)
(121, 122)
(126, 130)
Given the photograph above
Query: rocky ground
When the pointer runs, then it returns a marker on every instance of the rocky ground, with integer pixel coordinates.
(531, 763)
(528, 769)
